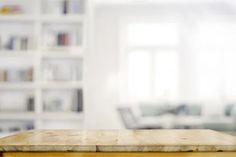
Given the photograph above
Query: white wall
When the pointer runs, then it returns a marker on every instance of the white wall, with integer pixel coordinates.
(102, 92)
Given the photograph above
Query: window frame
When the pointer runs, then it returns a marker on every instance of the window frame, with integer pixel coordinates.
(187, 81)
(123, 56)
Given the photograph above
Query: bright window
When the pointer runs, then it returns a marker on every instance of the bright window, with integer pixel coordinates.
(152, 60)
(166, 62)
(153, 34)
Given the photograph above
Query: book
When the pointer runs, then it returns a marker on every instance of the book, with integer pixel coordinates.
(79, 100)
(65, 7)
(16, 43)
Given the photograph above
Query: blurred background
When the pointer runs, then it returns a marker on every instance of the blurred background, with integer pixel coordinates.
(115, 64)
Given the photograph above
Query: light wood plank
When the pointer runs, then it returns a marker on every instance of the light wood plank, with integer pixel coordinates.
(119, 141)
(71, 154)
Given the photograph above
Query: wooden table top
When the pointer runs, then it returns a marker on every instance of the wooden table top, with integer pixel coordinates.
(119, 141)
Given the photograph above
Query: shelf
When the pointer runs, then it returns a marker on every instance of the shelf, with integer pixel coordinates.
(63, 49)
(17, 85)
(17, 115)
(44, 115)
(62, 85)
(4, 134)
(44, 18)
(45, 54)
(45, 85)
(62, 115)
(63, 18)
(62, 55)
(17, 18)
(6, 53)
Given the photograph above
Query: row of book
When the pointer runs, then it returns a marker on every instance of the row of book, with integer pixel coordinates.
(71, 101)
(61, 103)
(51, 103)
(25, 104)
(16, 75)
(24, 43)
(65, 7)
(61, 39)
(60, 70)
(16, 42)
(14, 126)
(52, 7)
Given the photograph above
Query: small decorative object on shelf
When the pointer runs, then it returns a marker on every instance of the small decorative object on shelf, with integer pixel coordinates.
(11, 9)
(63, 100)
(62, 70)
(16, 75)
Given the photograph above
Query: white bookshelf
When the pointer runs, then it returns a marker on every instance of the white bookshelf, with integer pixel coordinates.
(17, 18)
(53, 36)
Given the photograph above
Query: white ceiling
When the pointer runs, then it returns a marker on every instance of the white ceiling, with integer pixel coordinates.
(227, 6)
(117, 2)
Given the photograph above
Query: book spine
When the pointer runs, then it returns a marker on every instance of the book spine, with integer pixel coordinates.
(1, 44)
(5, 76)
(59, 39)
(66, 39)
(79, 100)
(65, 6)
(10, 45)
